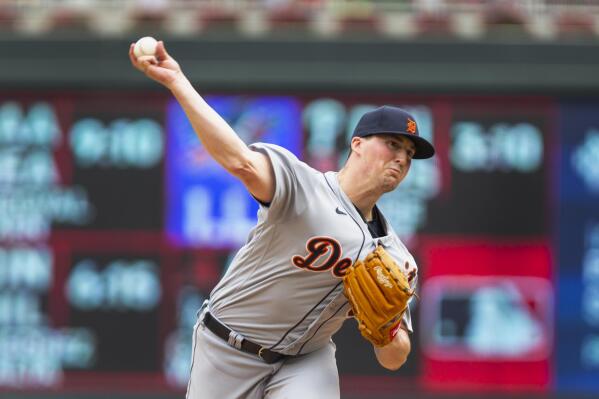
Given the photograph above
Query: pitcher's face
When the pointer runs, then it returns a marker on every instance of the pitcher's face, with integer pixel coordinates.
(389, 157)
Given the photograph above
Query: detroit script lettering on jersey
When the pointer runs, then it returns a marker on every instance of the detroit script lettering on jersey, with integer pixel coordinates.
(318, 247)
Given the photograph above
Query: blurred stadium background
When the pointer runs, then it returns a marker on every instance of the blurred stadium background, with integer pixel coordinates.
(115, 225)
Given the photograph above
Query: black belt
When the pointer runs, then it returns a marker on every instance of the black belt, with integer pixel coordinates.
(236, 341)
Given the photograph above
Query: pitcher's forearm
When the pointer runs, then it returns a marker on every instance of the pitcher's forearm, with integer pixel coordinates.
(219, 139)
(395, 354)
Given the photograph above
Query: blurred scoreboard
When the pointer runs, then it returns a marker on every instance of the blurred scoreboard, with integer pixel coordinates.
(577, 244)
(115, 224)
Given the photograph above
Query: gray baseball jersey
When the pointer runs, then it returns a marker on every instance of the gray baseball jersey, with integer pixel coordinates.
(283, 289)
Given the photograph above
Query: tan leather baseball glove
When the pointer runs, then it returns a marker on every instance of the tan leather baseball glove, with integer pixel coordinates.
(378, 293)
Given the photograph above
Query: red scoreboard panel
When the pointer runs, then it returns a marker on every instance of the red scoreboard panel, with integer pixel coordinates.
(486, 315)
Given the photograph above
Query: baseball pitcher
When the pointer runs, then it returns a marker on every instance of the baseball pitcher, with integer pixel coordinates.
(321, 252)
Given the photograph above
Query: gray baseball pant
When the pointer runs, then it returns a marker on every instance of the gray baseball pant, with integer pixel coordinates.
(220, 371)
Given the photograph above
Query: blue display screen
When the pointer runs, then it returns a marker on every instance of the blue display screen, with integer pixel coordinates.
(207, 206)
(577, 357)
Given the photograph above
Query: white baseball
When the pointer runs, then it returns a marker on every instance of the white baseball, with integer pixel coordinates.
(145, 46)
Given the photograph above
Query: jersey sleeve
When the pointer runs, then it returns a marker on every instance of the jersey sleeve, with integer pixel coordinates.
(407, 316)
(413, 280)
(291, 181)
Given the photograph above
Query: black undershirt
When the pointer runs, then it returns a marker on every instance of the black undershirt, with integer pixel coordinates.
(375, 226)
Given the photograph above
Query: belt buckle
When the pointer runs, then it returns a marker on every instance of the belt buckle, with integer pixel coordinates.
(262, 349)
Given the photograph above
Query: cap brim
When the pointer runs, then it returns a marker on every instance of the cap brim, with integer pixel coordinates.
(424, 149)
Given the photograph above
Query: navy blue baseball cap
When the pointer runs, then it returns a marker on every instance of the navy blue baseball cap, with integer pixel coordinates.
(394, 120)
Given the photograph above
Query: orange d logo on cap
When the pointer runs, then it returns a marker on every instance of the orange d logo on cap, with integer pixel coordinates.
(411, 127)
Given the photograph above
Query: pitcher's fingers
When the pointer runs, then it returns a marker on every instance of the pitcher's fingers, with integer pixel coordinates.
(161, 53)
(132, 57)
(144, 60)
(144, 65)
